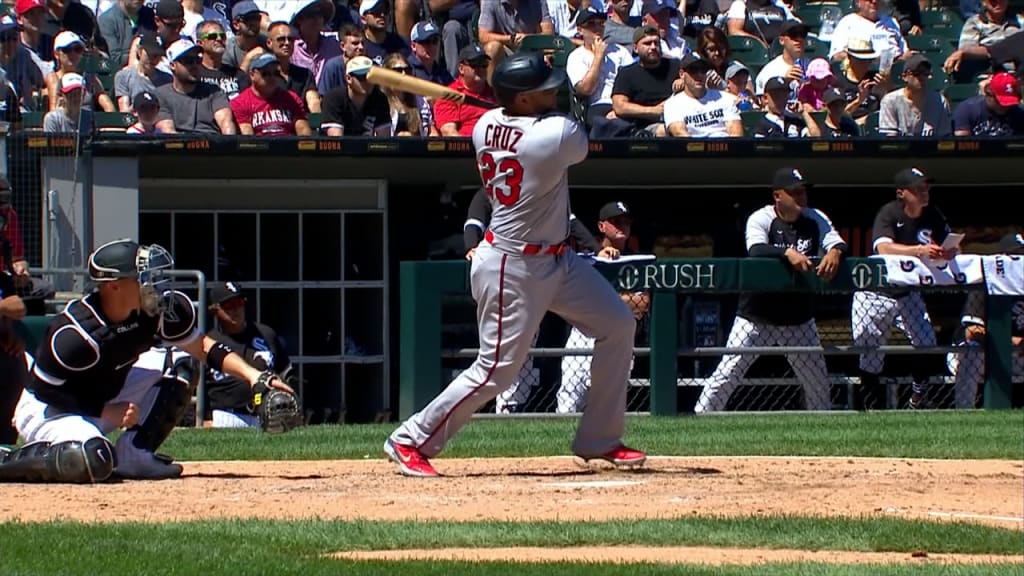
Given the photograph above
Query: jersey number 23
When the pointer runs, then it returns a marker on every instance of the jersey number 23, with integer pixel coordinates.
(508, 193)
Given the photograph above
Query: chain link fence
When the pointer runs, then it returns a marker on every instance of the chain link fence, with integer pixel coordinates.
(866, 350)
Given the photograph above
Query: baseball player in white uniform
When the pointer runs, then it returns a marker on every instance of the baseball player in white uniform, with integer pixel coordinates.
(907, 226)
(523, 269)
(790, 231)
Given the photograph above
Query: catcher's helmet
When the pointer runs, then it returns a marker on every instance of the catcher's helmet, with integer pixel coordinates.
(525, 72)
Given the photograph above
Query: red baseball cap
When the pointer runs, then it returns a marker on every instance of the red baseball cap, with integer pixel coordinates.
(22, 6)
(1005, 89)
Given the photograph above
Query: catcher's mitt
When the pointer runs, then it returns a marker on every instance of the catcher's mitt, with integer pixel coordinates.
(278, 410)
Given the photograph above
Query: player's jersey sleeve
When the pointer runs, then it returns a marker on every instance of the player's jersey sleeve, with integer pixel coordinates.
(828, 237)
(574, 144)
(884, 229)
(759, 226)
(179, 324)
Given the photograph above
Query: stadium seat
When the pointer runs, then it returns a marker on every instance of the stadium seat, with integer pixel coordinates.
(819, 117)
(557, 46)
(107, 81)
(816, 49)
(942, 22)
(113, 121)
(749, 50)
(929, 43)
(91, 64)
(750, 121)
(31, 330)
(957, 93)
(314, 120)
(812, 14)
(32, 120)
(870, 125)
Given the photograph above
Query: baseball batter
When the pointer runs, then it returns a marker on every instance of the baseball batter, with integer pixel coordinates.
(794, 233)
(515, 397)
(87, 379)
(523, 269)
(907, 226)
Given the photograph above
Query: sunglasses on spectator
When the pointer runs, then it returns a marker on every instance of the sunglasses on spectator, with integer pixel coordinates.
(189, 60)
(213, 36)
(430, 41)
(402, 69)
(285, 39)
(174, 24)
(233, 304)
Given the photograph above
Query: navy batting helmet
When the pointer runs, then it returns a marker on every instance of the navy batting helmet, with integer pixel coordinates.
(525, 72)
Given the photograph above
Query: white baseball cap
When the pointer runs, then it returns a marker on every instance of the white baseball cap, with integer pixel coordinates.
(67, 39)
(71, 81)
(367, 6)
(180, 48)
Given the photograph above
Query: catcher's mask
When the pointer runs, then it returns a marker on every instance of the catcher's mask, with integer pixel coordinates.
(127, 259)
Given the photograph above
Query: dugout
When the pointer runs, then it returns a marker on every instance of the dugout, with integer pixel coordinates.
(314, 228)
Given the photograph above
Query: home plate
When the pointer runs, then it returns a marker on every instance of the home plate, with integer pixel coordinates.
(595, 484)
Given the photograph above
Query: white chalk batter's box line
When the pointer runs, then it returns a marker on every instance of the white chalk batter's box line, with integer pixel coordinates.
(376, 459)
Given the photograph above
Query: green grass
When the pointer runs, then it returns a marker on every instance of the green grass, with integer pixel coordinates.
(258, 547)
(940, 434)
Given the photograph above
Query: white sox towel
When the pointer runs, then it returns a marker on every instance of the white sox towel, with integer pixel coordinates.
(911, 271)
(1004, 275)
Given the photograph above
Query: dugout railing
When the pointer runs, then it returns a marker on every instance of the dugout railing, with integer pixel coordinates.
(435, 298)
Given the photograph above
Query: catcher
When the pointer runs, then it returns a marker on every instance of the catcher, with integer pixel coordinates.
(230, 397)
(84, 384)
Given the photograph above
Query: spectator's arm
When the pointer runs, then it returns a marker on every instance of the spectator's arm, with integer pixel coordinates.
(102, 98)
(584, 80)
(124, 104)
(733, 122)
(626, 109)
(166, 126)
(546, 26)
(840, 39)
(678, 129)
(313, 101)
(225, 121)
(734, 128)
(813, 130)
(52, 83)
(245, 129)
(486, 24)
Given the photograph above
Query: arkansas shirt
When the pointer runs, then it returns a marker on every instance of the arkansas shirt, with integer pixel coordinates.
(273, 117)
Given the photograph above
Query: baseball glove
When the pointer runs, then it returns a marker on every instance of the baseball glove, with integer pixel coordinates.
(278, 410)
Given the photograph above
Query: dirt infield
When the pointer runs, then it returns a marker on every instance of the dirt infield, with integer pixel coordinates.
(979, 491)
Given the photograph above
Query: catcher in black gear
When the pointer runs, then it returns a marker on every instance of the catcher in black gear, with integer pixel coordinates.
(232, 402)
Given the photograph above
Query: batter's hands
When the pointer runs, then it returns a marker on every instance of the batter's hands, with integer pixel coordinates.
(124, 414)
(800, 262)
(609, 252)
(829, 265)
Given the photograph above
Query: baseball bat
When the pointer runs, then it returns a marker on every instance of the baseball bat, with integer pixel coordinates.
(409, 83)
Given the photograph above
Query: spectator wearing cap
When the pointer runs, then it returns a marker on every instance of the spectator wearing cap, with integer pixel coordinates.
(699, 111)
(21, 69)
(760, 19)
(455, 119)
(838, 122)
(68, 49)
(504, 24)
(147, 109)
(313, 47)
(982, 30)
(130, 81)
(641, 89)
(785, 118)
(230, 398)
(70, 116)
(739, 84)
(266, 108)
(791, 64)
(281, 44)
(213, 40)
(31, 15)
(996, 112)
(817, 80)
(169, 21)
(660, 13)
(246, 23)
(73, 16)
(593, 66)
(869, 22)
(411, 114)
(377, 41)
(426, 50)
(195, 12)
(118, 25)
(860, 81)
(915, 110)
(359, 108)
(188, 105)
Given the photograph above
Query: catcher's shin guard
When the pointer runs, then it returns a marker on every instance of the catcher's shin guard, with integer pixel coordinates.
(168, 408)
(73, 461)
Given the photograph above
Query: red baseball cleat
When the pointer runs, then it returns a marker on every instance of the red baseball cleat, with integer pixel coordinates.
(410, 461)
(621, 456)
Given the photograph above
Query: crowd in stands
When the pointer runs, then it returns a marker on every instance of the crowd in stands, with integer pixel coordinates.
(636, 68)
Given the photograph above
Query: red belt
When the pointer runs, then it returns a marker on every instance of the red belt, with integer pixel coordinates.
(534, 249)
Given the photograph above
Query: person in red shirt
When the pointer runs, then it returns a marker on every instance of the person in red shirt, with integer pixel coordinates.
(33, 290)
(266, 108)
(457, 120)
